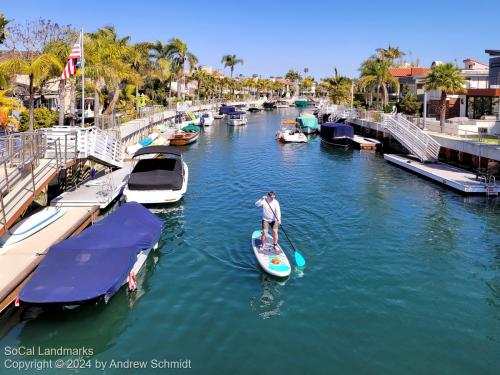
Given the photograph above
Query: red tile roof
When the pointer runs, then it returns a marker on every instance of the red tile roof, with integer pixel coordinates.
(409, 72)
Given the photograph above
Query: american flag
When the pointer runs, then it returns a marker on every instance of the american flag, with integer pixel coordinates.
(71, 65)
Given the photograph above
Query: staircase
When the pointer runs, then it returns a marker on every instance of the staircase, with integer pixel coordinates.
(91, 143)
(420, 144)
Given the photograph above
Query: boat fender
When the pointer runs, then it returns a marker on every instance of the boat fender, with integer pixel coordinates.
(132, 282)
(17, 302)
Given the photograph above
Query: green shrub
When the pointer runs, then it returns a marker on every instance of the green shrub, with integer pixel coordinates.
(44, 118)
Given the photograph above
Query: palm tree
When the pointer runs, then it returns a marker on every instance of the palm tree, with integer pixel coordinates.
(37, 67)
(447, 79)
(375, 74)
(230, 61)
(61, 50)
(178, 54)
(390, 53)
(338, 87)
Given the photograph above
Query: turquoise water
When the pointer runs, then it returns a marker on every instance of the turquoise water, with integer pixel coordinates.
(402, 275)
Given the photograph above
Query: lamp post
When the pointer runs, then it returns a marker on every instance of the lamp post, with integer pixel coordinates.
(425, 107)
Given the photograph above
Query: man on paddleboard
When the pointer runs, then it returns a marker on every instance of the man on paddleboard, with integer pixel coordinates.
(271, 216)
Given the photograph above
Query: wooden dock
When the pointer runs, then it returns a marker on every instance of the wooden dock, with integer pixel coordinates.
(18, 260)
(365, 143)
(453, 177)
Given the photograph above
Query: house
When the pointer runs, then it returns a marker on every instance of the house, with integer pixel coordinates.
(413, 77)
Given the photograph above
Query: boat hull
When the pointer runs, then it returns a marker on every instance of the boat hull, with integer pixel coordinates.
(236, 122)
(307, 130)
(184, 140)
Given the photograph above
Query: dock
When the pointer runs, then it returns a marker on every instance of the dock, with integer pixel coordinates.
(453, 177)
(100, 191)
(365, 143)
(18, 261)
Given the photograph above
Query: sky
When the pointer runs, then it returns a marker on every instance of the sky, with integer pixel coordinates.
(274, 36)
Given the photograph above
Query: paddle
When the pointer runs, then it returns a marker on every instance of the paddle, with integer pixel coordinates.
(299, 259)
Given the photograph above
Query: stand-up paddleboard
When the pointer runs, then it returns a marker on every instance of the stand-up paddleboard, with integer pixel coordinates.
(34, 223)
(273, 261)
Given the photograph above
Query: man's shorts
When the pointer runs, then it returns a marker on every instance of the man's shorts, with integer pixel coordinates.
(273, 224)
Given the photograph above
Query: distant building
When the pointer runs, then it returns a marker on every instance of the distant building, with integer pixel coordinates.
(411, 77)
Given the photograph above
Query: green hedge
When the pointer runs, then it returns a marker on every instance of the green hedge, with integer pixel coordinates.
(44, 118)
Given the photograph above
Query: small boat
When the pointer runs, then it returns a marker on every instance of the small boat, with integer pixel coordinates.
(225, 109)
(291, 133)
(93, 266)
(33, 224)
(156, 180)
(273, 261)
(336, 134)
(308, 123)
(254, 109)
(236, 118)
(207, 119)
(187, 135)
(269, 106)
(282, 104)
(301, 103)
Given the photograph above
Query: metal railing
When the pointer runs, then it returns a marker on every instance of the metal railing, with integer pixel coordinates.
(412, 137)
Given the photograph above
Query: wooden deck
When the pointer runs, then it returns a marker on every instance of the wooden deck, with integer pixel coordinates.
(364, 143)
(18, 261)
(455, 178)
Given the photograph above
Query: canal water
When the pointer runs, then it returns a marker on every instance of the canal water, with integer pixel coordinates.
(402, 275)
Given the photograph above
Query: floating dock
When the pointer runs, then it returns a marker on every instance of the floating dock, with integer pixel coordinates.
(453, 177)
(365, 143)
(100, 191)
(18, 260)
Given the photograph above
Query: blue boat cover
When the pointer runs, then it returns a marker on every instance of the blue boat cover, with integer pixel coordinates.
(95, 263)
(331, 130)
(226, 109)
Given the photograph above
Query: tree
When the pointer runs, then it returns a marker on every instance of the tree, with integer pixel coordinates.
(375, 75)
(409, 104)
(27, 44)
(230, 61)
(178, 54)
(447, 79)
(3, 25)
(390, 53)
(338, 88)
(293, 75)
(7, 104)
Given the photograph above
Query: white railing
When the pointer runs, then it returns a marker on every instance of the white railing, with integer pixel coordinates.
(96, 144)
(412, 137)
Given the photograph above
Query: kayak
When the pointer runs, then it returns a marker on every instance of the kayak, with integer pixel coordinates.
(33, 224)
(273, 261)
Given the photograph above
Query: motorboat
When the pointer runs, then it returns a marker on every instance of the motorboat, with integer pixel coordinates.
(290, 132)
(336, 134)
(301, 103)
(236, 118)
(94, 265)
(308, 123)
(269, 105)
(254, 109)
(282, 104)
(206, 119)
(225, 109)
(162, 178)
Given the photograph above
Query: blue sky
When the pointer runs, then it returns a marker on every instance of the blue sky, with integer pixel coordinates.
(274, 36)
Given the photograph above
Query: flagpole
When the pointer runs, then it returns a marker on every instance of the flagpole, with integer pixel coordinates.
(83, 77)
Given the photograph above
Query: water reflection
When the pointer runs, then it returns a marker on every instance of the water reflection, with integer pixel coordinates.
(270, 302)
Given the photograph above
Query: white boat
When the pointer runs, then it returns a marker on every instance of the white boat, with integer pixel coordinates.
(33, 224)
(236, 118)
(290, 132)
(206, 119)
(282, 104)
(157, 180)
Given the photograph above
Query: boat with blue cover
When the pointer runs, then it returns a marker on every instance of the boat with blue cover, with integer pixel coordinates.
(93, 266)
(336, 134)
(301, 103)
(308, 123)
(236, 118)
